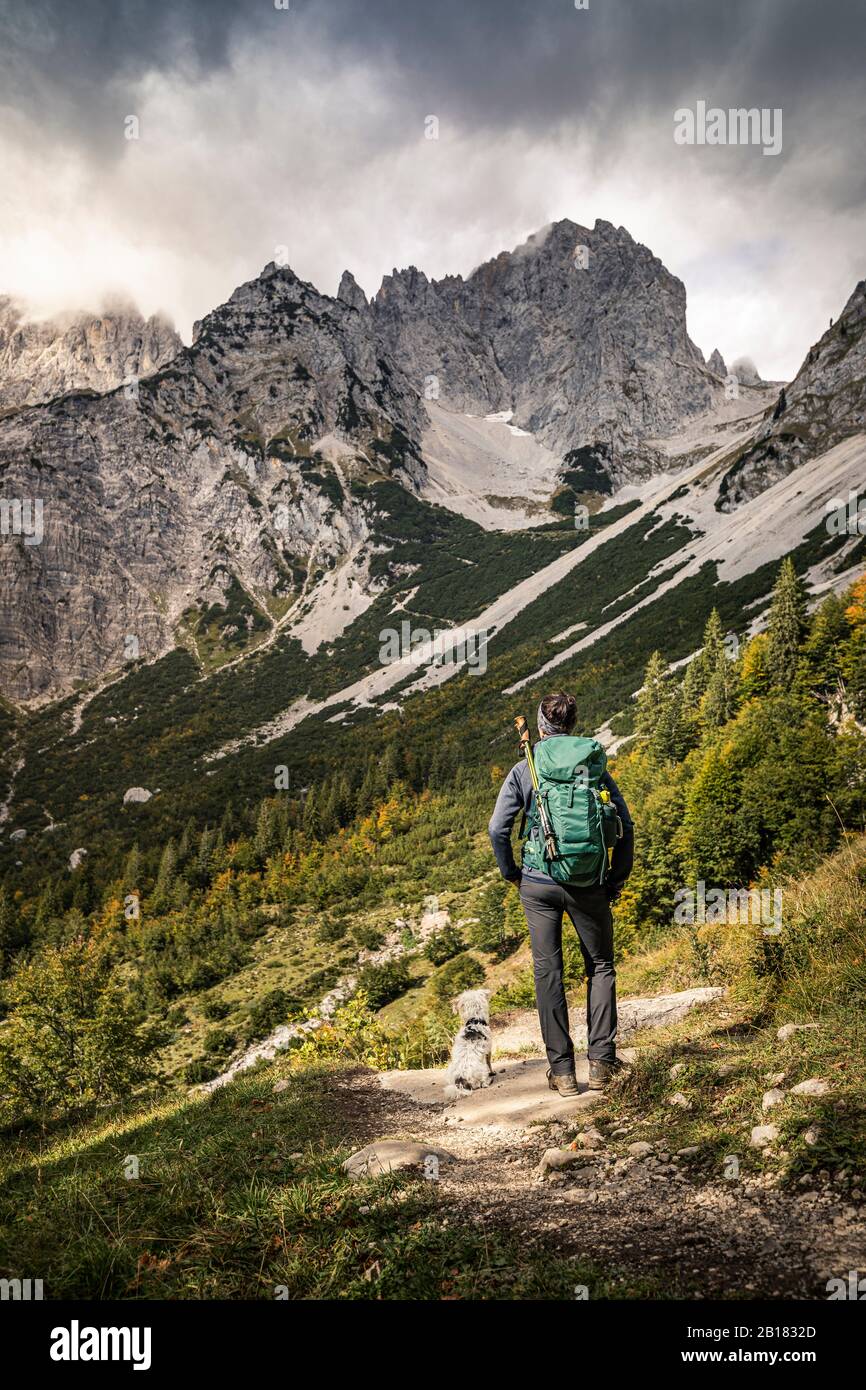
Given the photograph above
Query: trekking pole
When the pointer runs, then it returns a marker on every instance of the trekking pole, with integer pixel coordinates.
(522, 728)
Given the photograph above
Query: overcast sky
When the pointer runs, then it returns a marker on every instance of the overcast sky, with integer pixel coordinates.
(305, 128)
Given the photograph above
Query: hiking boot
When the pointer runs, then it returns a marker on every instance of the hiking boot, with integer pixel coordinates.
(600, 1073)
(566, 1084)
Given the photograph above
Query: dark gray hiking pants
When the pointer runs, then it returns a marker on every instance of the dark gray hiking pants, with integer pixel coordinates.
(544, 903)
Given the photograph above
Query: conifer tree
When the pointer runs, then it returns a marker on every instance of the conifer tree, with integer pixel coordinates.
(367, 792)
(132, 872)
(343, 800)
(652, 696)
(754, 672)
(694, 683)
(264, 837)
(312, 819)
(165, 878)
(719, 702)
(11, 937)
(670, 739)
(714, 642)
(786, 627)
(187, 840)
(828, 631)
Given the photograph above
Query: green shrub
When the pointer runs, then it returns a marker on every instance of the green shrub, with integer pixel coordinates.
(215, 1009)
(71, 1037)
(444, 945)
(201, 1070)
(218, 1042)
(367, 936)
(268, 1013)
(382, 983)
(463, 972)
(331, 930)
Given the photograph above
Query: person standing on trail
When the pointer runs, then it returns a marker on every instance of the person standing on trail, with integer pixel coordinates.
(578, 851)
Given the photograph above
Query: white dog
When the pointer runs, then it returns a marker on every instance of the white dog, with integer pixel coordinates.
(469, 1068)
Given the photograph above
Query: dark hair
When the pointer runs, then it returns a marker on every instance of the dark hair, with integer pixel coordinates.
(560, 710)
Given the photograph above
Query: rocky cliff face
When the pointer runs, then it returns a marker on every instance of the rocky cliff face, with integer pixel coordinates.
(219, 496)
(824, 404)
(581, 333)
(200, 496)
(40, 361)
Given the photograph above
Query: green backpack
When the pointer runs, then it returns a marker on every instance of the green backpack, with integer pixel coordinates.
(582, 816)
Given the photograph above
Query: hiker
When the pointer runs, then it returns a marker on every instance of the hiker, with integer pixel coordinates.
(583, 805)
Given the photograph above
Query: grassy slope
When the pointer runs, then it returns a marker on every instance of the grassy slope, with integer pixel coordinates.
(243, 1192)
(167, 718)
(241, 1196)
(814, 972)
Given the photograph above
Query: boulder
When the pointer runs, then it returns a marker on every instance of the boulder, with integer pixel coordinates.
(789, 1029)
(391, 1156)
(134, 794)
(762, 1135)
(771, 1098)
(815, 1086)
(559, 1158)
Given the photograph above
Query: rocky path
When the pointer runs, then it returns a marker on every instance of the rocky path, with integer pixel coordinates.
(631, 1207)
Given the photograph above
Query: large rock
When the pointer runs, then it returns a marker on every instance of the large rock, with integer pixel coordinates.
(764, 1135)
(521, 1032)
(814, 1086)
(554, 1159)
(393, 1155)
(772, 1098)
(133, 795)
(789, 1029)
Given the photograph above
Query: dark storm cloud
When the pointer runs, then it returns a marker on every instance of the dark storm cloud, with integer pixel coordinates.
(62, 61)
(251, 116)
(521, 62)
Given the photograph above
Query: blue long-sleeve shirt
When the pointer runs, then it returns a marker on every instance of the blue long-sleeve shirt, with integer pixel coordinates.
(515, 797)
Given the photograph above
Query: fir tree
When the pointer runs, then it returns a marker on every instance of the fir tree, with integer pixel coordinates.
(754, 672)
(165, 878)
(786, 627)
(823, 648)
(265, 836)
(670, 739)
(132, 871)
(312, 819)
(652, 696)
(719, 702)
(187, 840)
(714, 643)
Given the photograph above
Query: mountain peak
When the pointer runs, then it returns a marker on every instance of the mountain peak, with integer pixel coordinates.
(350, 292)
(45, 358)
